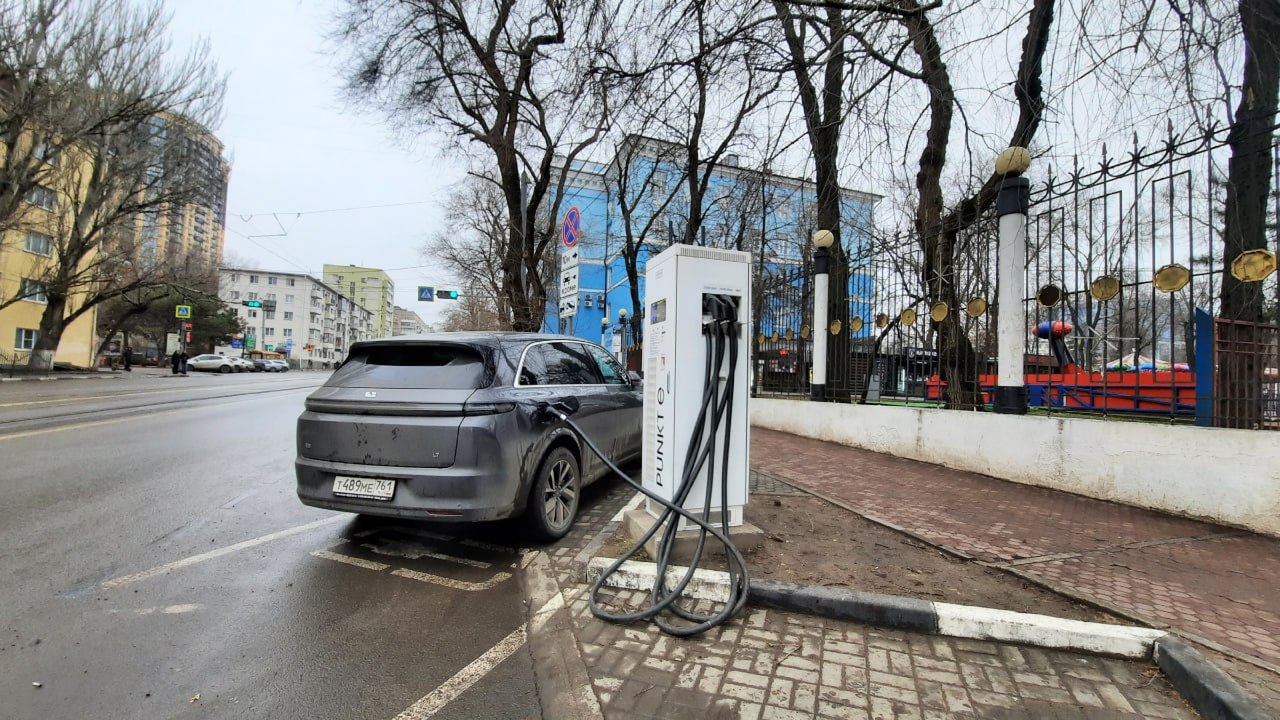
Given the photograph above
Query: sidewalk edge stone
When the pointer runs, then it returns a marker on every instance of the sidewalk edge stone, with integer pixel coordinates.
(560, 674)
(1209, 690)
(893, 611)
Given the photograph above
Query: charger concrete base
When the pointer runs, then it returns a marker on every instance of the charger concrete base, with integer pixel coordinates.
(637, 522)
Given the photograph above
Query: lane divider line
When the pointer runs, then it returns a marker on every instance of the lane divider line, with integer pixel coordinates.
(229, 549)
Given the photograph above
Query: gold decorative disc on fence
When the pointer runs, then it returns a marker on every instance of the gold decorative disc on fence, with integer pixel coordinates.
(908, 317)
(1171, 278)
(1104, 288)
(775, 336)
(804, 331)
(836, 326)
(976, 307)
(882, 320)
(790, 334)
(1049, 295)
(855, 325)
(760, 339)
(1253, 265)
(939, 311)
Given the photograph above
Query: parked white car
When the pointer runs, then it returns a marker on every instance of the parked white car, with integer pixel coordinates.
(212, 363)
(241, 364)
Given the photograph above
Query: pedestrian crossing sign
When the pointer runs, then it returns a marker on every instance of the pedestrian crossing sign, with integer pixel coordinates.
(182, 311)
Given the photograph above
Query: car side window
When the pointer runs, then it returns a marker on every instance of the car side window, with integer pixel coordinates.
(567, 363)
(609, 368)
(533, 370)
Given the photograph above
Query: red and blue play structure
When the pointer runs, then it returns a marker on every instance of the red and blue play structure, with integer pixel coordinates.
(1140, 386)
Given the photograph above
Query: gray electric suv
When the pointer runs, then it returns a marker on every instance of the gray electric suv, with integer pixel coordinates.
(453, 427)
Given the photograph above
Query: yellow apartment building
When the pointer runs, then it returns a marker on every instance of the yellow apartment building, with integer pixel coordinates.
(371, 288)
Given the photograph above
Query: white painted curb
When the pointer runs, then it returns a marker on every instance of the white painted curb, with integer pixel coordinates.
(980, 623)
(634, 575)
(962, 621)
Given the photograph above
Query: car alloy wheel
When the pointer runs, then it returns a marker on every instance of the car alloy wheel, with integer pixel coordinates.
(224, 369)
(553, 500)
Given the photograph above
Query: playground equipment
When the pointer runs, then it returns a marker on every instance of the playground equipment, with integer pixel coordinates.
(1131, 384)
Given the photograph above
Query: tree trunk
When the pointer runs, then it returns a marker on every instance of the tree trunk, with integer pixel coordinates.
(52, 325)
(1239, 376)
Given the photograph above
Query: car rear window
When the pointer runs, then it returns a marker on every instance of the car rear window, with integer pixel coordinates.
(412, 366)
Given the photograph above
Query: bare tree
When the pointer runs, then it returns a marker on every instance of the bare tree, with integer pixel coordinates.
(474, 249)
(506, 77)
(100, 178)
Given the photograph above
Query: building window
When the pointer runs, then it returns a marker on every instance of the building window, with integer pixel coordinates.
(253, 296)
(253, 279)
(288, 299)
(288, 332)
(253, 313)
(38, 243)
(48, 154)
(271, 280)
(288, 315)
(271, 296)
(291, 282)
(235, 294)
(268, 330)
(34, 291)
(25, 339)
(269, 314)
(42, 197)
(235, 277)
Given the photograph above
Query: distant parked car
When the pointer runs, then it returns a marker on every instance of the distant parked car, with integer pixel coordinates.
(241, 364)
(278, 365)
(260, 365)
(212, 363)
(449, 427)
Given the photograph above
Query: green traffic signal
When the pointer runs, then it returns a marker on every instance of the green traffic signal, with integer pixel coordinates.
(253, 303)
(447, 294)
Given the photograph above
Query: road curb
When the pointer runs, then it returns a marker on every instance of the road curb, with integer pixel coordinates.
(560, 673)
(1209, 690)
(47, 378)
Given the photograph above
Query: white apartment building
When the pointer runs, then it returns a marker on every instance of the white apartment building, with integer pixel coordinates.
(407, 322)
(313, 324)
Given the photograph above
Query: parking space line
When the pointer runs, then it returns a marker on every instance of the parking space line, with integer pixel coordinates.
(450, 582)
(358, 562)
(413, 551)
(196, 559)
(451, 539)
(465, 678)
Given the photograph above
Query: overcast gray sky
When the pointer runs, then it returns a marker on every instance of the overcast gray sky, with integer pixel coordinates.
(295, 147)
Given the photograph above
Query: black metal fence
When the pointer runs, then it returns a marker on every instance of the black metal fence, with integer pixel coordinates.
(1121, 254)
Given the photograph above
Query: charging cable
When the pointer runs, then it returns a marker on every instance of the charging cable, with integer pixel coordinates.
(707, 445)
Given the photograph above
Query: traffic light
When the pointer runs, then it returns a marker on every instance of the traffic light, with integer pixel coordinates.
(447, 294)
(252, 303)
(186, 326)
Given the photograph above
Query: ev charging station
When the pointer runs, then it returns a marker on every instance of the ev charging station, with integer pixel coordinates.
(689, 290)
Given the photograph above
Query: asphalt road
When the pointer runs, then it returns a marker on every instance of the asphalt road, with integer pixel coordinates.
(157, 564)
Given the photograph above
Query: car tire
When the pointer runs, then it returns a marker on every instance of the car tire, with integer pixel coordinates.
(553, 497)
(224, 369)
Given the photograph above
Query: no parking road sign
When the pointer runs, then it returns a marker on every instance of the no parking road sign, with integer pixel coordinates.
(571, 228)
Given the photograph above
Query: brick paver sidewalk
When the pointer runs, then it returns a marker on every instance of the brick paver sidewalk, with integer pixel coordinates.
(1209, 582)
(772, 665)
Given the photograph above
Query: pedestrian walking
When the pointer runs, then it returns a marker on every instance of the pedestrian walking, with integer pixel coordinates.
(128, 359)
(183, 360)
(176, 362)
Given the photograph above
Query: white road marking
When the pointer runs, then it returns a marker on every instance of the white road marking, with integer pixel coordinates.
(450, 582)
(167, 610)
(196, 559)
(413, 551)
(358, 562)
(449, 539)
(452, 688)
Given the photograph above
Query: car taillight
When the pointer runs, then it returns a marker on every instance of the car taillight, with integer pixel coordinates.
(487, 408)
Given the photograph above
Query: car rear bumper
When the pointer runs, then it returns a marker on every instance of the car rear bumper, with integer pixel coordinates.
(457, 494)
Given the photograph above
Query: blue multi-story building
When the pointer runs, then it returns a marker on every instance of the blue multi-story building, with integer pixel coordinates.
(639, 200)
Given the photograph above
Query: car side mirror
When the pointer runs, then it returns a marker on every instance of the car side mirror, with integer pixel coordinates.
(634, 377)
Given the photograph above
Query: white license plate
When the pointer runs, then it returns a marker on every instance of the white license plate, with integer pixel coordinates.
(364, 487)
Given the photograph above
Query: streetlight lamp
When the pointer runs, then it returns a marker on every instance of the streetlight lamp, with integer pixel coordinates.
(604, 329)
(822, 241)
(622, 332)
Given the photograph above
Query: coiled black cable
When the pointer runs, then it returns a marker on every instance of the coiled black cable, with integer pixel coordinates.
(720, 332)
